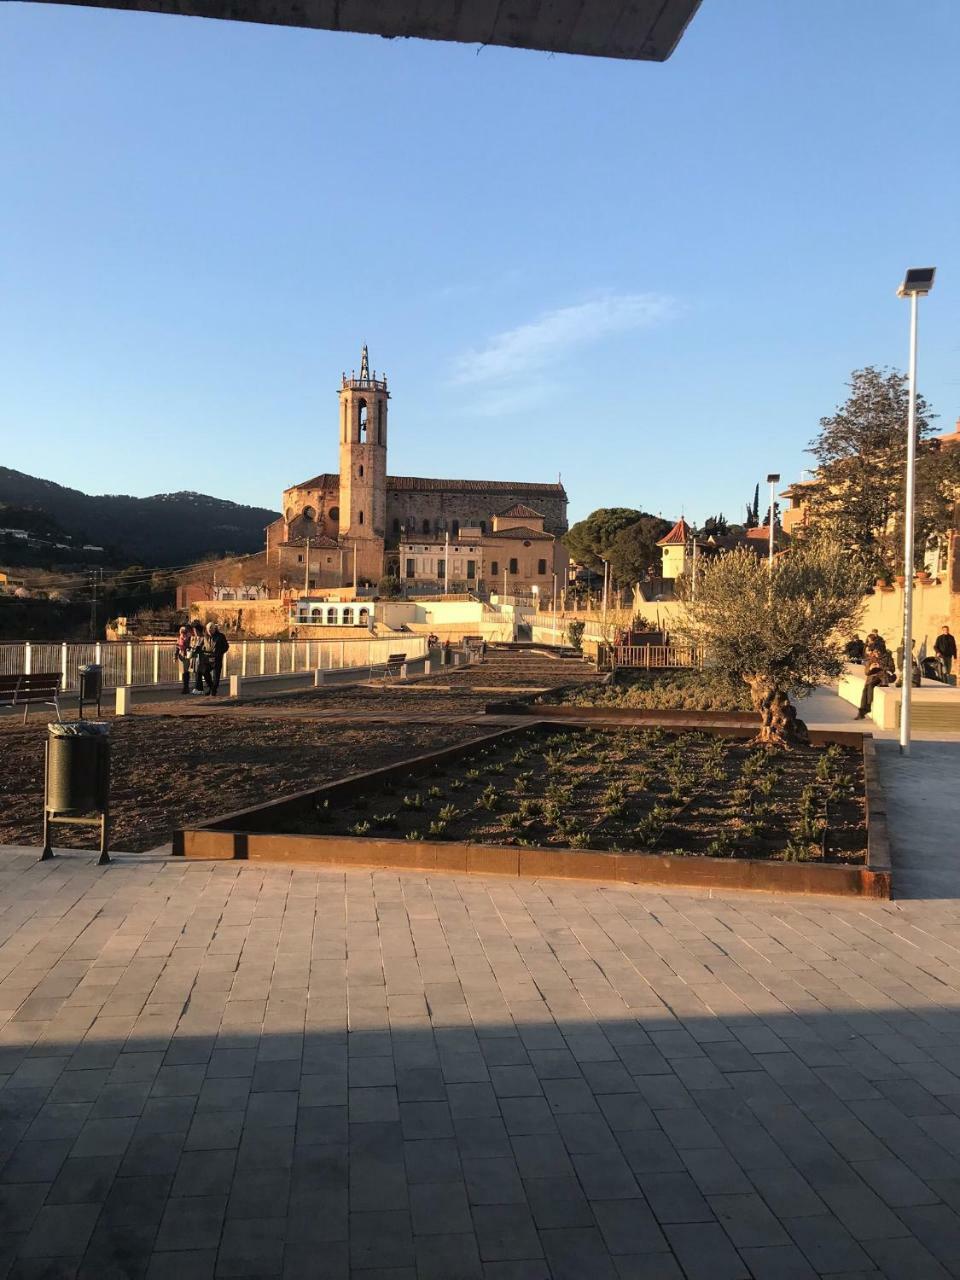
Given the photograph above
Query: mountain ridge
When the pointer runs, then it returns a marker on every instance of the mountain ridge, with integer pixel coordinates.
(159, 530)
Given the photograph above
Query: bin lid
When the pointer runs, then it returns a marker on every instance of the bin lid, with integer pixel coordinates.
(80, 729)
(90, 666)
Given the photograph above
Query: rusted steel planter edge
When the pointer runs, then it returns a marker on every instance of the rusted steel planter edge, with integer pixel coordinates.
(246, 834)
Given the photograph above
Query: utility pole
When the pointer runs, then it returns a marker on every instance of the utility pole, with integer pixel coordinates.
(306, 569)
(93, 604)
(354, 570)
(446, 562)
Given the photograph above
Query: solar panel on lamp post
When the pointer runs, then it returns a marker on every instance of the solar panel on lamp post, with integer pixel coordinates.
(917, 283)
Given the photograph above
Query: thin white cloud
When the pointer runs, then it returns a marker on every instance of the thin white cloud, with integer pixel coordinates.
(533, 346)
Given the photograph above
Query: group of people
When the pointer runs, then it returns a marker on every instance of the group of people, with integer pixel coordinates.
(880, 670)
(200, 654)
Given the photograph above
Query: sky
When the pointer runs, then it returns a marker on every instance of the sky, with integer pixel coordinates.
(649, 279)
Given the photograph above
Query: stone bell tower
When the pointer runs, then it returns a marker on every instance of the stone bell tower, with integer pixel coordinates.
(363, 468)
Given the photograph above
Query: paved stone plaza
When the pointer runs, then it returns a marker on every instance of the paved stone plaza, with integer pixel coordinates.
(225, 1069)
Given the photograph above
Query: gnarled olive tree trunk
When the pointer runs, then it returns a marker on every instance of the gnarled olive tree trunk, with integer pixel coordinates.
(779, 725)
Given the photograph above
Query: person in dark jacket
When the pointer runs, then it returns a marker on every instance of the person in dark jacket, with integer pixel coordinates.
(875, 673)
(198, 661)
(855, 649)
(945, 647)
(215, 645)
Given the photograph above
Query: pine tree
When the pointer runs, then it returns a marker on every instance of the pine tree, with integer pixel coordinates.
(858, 495)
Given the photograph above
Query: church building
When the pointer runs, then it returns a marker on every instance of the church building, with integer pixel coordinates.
(350, 525)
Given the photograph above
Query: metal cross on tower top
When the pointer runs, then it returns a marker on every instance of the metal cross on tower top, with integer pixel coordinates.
(364, 365)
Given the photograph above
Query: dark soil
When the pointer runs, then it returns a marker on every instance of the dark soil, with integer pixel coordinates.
(171, 771)
(627, 790)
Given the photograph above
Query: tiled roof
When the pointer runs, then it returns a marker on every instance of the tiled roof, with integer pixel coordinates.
(474, 486)
(520, 512)
(678, 536)
(323, 481)
(522, 531)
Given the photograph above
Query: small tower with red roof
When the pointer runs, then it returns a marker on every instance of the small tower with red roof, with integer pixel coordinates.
(677, 547)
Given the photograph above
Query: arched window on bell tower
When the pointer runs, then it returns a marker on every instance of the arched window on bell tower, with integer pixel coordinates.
(362, 421)
(379, 422)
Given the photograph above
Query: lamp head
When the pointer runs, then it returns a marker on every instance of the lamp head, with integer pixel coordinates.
(917, 280)
(773, 477)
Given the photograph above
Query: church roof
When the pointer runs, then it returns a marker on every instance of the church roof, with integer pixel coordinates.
(323, 481)
(476, 486)
(521, 531)
(520, 512)
(678, 536)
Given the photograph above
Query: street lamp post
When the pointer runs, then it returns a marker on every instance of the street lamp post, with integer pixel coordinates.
(772, 479)
(917, 283)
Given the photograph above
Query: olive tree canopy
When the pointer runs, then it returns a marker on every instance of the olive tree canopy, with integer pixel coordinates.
(781, 632)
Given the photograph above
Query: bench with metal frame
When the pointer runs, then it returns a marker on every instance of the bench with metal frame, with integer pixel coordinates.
(41, 687)
(393, 666)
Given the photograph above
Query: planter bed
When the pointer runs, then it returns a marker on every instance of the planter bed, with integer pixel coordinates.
(632, 805)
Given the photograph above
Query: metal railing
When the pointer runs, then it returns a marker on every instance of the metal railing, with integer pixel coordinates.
(143, 662)
(648, 657)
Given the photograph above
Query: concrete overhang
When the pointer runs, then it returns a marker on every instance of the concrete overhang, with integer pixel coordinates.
(642, 29)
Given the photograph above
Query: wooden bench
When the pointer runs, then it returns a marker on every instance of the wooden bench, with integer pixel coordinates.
(42, 687)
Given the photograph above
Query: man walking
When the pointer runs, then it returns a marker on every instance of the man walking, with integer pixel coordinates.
(215, 645)
(945, 647)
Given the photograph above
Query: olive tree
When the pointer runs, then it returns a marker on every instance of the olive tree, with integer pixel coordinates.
(781, 632)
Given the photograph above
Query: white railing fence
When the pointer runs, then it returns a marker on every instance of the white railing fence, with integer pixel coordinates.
(140, 662)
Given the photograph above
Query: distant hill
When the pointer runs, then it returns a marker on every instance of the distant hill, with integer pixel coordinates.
(166, 529)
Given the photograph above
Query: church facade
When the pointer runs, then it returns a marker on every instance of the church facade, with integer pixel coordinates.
(352, 522)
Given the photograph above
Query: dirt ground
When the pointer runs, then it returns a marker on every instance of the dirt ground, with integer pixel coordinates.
(191, 760)
(633, 790)
(171, 770)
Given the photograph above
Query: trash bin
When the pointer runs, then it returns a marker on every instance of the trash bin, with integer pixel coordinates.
(78, 767)
(91, 684)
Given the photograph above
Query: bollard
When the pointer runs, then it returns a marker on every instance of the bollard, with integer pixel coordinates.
(124, 705)
(319, 676)
(236, 687)
(403, 671)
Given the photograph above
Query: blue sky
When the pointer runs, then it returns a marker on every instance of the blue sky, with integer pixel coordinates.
(652, 279)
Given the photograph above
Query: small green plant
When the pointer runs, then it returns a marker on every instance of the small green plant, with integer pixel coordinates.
(529, 809)
(448, 812)
(413, 801)
(648, 831)
(579, 840)
(473, 774)
(385, 821)
(512, 821)
(720, 846)
(413, 835)
(488, 798)
(434, 793)
(456, 784)
(360, 828)
(497, 768)
(521, 784)
(436, 828)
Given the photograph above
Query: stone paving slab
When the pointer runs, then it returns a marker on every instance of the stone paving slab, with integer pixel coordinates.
(228, 1069)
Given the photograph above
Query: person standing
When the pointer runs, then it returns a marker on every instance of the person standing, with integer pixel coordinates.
(196, 655)
(875, 673)
(945, 647)
(215, 646)
(182, 655)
